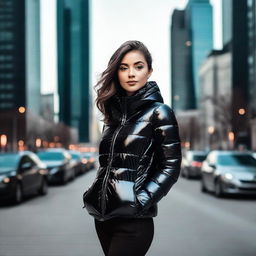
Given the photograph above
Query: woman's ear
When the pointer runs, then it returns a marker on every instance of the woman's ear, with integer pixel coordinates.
(150, 72)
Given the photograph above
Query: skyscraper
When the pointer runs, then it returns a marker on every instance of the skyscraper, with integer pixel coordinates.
(235, 40)
(181, 75)
(73, 65)
(200, 28)
(226, 21)
(19, 67)
(251, 15)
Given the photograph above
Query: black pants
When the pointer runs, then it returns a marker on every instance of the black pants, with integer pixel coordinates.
(125, 237)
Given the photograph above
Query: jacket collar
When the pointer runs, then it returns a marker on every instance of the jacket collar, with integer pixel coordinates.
(120, 103)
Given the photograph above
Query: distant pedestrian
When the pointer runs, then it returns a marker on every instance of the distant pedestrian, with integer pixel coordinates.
(139, 153)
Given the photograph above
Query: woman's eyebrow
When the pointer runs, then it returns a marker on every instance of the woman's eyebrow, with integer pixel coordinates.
(138, 62)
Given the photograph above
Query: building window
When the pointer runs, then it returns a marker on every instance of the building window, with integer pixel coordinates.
(6, 86)
(6, 36)
(6, 66)
(6, 57)
(6, 96)
(6, 105)
(6, 25)
(6, 76)
(250, 2)
(7, 47)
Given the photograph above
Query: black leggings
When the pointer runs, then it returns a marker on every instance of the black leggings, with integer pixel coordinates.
(125, 237)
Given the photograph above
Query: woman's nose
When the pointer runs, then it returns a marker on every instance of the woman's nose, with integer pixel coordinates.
(131, 73)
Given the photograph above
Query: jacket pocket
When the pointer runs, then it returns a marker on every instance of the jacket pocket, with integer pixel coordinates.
(91, 197)
(121, 200)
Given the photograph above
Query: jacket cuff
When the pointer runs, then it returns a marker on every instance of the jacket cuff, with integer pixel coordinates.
(144, 199)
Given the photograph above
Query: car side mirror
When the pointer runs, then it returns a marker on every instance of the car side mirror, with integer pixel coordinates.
(26, 166)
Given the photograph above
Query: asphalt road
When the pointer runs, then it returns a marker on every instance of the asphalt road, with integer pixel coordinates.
(189, 223)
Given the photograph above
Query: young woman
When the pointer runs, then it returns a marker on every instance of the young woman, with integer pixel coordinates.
(139, 153)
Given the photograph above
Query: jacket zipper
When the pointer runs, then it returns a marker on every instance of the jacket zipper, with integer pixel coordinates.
(104, 184)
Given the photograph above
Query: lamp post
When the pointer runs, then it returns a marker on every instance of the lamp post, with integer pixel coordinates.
(21, 110)
(211, 130)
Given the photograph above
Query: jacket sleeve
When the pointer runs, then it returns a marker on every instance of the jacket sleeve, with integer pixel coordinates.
(168, 153)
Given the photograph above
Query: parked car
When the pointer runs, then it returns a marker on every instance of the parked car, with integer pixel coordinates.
(58, 162)
(21, 174)
(229, 172)
(192, 163)
(76, 162)
(89, 158)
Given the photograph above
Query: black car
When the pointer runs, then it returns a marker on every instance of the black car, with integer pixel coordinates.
(192, 163)
(229, 172)
(76, 162)
(21, 174)
(58, 162)
(89, 158)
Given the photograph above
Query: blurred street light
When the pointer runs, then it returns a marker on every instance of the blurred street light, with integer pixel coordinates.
(3, 141)
(211, 129)
(21, 145)
(188, 43)
(51, 145)
(177, 97)
(22, 110)
(38, 142)
(231, 138)
(241, 111)
(187, 144)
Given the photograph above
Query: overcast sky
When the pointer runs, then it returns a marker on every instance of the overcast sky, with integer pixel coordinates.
(114, 22)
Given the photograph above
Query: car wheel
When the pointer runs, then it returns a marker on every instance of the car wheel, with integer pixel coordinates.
(203, 188)
(18, 197)
(64, 179)
(186, 174)
(43, 190)
(218, 188)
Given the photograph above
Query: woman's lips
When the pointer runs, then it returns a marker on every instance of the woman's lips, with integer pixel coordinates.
(131, 82)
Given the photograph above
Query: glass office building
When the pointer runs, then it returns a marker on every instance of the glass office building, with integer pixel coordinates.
(200, 27)
(226, 21)
(181, 75)
(251, 15)
(12, 54)
(19, 67)
(252, 54)
(73, 65)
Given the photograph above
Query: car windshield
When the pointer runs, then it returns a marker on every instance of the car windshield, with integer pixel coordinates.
(8, 161)
(88, 154)
(51, 156)
(75, 155)
(246, 160)
(199, 158)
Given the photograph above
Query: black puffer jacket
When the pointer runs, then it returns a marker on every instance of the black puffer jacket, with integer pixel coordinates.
(139, 157)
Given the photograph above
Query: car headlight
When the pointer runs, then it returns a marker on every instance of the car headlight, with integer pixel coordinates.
(6, 180)
(228, 176)
(54, 170)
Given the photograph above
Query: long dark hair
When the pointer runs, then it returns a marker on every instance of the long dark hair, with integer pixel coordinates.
(108, 84)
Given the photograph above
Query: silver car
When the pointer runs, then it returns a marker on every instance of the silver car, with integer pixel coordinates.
(229, 172)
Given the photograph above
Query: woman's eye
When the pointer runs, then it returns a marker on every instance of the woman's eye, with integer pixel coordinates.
(123, 68)
(140, 67)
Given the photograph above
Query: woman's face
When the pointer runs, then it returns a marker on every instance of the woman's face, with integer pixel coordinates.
(133, 72)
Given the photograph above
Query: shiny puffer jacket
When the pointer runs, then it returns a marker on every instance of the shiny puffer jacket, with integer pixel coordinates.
(139, 157)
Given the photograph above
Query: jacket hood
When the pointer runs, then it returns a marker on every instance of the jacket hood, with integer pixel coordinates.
(119, 103)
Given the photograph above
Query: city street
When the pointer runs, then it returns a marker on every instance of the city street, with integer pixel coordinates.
(189, 223)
